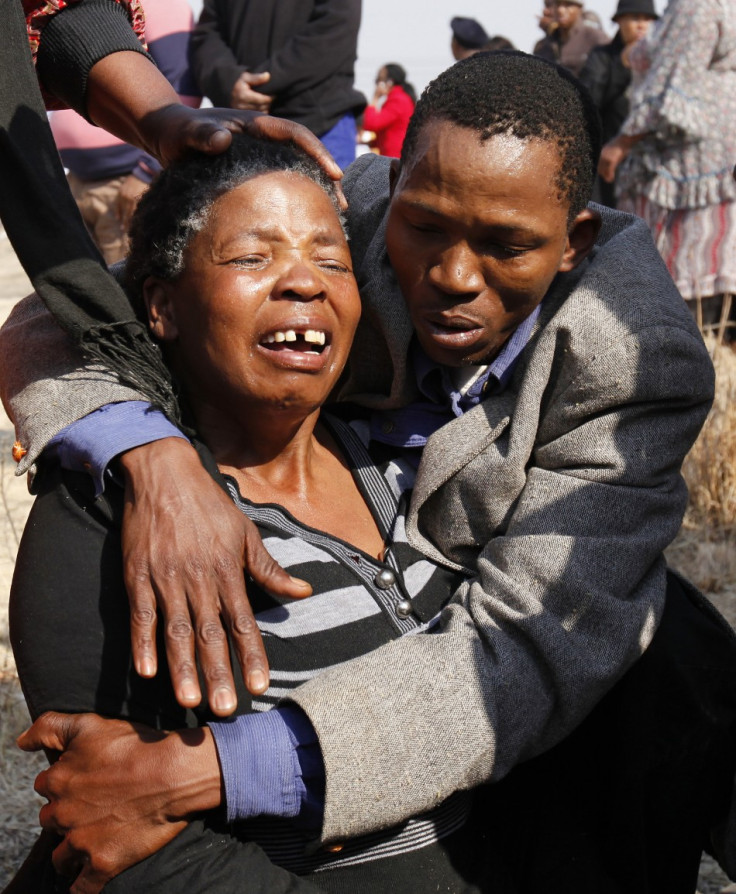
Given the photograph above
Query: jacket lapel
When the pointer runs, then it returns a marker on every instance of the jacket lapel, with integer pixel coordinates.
(454, 445)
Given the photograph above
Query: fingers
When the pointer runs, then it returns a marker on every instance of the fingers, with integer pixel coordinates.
(282, 130)
(68, 862)
(179, 643)
(245, 636)
(51, 730)
(256, 78)
(210, 136)
(88, 882)
(214, 655)
(266, 572)
(210, 130)
(142, 622)
(192, 624)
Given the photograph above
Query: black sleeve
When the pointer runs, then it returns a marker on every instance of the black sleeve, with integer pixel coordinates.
(69, 616)
(215, 66)
(319, 50)
(75, 39)
(36, 207)
(596, 74)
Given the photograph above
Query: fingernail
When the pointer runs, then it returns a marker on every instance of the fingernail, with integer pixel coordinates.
(224, 699)
(298, 581)
(257, 681)
(147, 668)
(189, 692)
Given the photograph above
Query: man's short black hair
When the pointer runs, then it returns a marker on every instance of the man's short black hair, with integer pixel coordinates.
(514, 93)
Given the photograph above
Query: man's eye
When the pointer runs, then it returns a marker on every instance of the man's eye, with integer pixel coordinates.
(425, 228)
(514, 252)
(505, 251)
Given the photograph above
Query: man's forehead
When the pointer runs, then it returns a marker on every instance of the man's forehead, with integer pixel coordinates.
(433, 163)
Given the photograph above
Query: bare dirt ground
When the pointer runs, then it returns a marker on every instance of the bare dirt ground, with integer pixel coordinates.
(708, 560)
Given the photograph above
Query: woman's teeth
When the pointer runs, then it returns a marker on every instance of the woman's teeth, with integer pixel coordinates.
(311, 336)
(309, 339)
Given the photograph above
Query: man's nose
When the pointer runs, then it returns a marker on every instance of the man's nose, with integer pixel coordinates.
(458, 271)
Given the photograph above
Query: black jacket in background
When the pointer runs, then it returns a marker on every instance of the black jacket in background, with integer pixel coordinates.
(308, 46)
(608, 80)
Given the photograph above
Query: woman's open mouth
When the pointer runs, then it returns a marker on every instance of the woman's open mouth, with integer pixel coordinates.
(302, 349)
(308, 340)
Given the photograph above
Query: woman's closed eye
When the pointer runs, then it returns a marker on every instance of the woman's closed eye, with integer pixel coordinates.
(250, 261)
(333, 265)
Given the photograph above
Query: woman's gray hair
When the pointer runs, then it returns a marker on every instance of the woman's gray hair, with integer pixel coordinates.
(179, 202)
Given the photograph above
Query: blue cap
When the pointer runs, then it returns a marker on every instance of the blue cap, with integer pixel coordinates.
(468, 33)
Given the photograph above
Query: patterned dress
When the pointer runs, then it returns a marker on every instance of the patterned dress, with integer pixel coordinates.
(679, 177)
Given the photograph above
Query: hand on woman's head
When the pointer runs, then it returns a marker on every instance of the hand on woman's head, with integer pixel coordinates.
(176, 130)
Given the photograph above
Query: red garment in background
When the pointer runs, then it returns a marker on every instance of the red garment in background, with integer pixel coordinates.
(389, 123)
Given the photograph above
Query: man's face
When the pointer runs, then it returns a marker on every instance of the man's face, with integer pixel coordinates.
(476, 233)
(547, 17)
(567, 14)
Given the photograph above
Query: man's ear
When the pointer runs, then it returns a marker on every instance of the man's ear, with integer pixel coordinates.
(393, 176)
(580, 239)
(157, 295)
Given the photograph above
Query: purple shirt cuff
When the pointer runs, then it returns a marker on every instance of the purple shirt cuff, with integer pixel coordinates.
(271, 766)
(91, 443)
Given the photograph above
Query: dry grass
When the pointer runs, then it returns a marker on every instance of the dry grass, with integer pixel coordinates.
(705, 549)
(710, 468)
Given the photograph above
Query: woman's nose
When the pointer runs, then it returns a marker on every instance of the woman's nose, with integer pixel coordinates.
(458, 272)
(300, 282)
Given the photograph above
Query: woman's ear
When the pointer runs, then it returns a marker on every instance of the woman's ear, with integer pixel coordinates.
(580, 239)
(157, 295)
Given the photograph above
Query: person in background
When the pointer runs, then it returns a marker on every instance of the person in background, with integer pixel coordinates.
(592, 20)
(390, 109)
(498, 42)
(468, 37)
(677, 146)
(546, 22)
(607, 75)
(292, 58)
(106, 175)
(571, 40)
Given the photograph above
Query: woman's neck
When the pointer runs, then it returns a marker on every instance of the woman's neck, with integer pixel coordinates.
(274, 445)
(278, 457)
